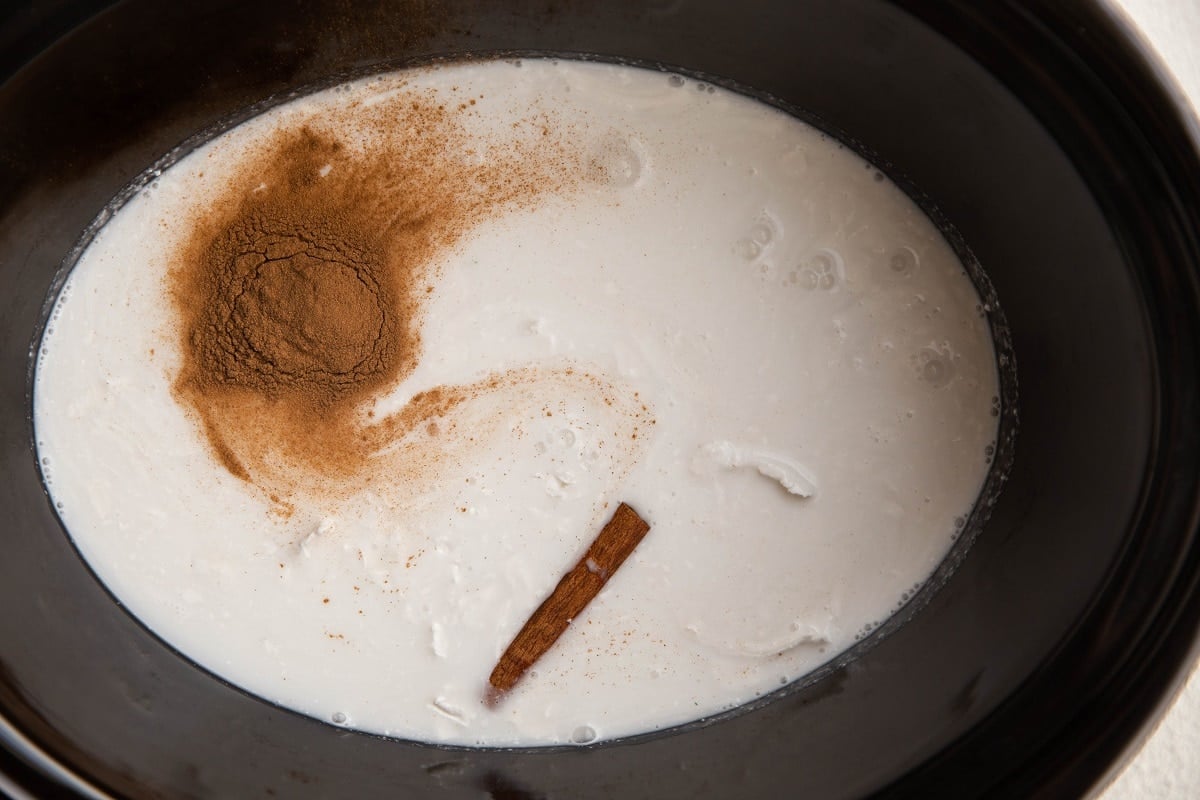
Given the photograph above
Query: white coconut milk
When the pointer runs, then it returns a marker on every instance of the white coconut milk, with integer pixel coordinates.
(812, 367)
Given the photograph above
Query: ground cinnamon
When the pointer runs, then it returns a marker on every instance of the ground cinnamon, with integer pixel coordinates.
(300, 287)
(295, 305)
(577, 588)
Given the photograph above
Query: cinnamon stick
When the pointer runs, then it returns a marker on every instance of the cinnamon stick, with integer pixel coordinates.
(576, 589)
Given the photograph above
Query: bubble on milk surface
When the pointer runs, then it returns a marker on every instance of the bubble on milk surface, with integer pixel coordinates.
(903, 262)
(821, 271)
(584, 734)
(763, 231)
(618, 162)
(339, 718)
(867, 629)
(759, 237)
(935, 365)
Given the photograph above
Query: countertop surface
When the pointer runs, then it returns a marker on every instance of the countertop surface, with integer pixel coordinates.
(1168, 765)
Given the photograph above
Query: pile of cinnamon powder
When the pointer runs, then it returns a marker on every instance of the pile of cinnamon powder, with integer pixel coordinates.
(299, 289)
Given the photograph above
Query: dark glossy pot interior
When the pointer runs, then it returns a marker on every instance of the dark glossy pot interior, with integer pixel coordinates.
(1037, 130)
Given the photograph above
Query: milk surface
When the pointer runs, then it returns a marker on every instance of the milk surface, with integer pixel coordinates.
(810, 374)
